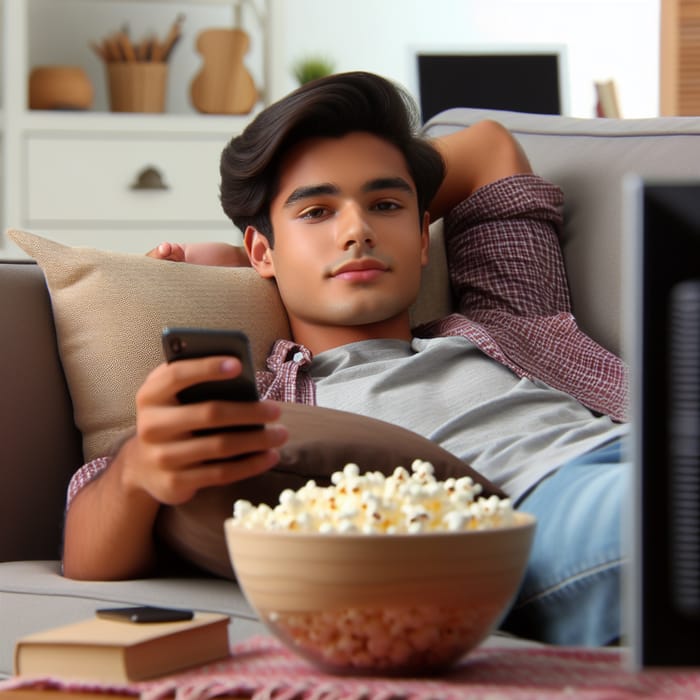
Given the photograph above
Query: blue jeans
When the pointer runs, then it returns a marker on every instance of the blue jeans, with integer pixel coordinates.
(571, 590)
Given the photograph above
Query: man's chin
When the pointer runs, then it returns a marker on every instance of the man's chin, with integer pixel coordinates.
(351, 312)
(375, 316)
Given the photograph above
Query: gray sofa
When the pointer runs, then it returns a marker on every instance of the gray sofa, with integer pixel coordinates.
(40, 446)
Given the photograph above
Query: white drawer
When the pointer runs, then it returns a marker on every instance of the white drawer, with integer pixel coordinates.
(90, 180)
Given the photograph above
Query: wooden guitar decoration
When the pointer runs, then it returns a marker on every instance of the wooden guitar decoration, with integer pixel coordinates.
(223, 85)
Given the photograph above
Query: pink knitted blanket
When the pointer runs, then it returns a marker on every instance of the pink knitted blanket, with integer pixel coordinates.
(261, 669)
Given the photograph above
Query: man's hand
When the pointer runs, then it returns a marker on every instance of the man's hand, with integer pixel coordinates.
(109, 526)
(168, 251)
(217, 254)
(169, 460)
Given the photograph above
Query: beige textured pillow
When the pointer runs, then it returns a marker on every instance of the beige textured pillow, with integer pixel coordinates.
(110, 308)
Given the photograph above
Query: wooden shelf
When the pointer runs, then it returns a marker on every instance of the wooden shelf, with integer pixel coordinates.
(149, 123)
(37, 37)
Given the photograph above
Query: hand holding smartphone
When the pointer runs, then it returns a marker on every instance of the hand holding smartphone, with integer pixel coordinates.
(190, 343)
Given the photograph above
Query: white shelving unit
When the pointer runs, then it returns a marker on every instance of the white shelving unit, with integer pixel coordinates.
(69, 175)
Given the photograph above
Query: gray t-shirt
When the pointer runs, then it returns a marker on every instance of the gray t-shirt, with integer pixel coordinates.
(514, 431)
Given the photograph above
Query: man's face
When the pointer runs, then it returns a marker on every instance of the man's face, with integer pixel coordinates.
(348, 242)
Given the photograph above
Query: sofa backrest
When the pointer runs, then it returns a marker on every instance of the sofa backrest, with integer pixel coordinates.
(39, 445)
(588, 159)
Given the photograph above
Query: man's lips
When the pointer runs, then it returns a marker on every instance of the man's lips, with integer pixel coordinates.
(362, 270)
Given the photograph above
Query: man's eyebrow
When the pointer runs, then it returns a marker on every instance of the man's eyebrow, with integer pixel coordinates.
(387, 183)
(328, 188)
(307, 191)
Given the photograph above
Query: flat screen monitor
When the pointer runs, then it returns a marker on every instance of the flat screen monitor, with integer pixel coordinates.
(663, 588)
(527, 81)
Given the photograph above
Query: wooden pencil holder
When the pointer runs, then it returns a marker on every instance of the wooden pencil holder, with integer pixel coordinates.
(137, 86)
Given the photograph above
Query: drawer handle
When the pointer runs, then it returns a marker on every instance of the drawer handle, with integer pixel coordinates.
(149, 178)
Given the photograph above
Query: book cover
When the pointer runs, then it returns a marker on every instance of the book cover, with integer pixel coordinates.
(608, 104)
(111, 651)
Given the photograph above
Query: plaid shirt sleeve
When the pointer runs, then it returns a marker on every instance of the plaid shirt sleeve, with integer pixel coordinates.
(503, 249)
(507, 272)
(87, 473)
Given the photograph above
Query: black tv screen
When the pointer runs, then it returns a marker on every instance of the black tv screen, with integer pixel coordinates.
(518, 82)
(664, 576)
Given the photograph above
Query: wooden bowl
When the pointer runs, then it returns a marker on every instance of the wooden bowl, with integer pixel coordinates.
(60, 87)
(391, 604)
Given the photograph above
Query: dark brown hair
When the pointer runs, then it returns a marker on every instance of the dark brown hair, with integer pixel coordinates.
(328, 107)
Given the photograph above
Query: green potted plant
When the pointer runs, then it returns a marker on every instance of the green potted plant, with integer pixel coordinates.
(311, 68)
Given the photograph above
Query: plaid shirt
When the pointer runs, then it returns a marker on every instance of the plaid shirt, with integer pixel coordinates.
(507, 273)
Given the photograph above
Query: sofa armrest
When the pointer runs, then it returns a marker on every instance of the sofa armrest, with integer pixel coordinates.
(39, 445)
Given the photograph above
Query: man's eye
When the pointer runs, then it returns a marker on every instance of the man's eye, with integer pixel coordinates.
(387, 206)
(313, 213)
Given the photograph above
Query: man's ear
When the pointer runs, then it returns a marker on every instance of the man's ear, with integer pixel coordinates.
(425, 239)
(259, 252)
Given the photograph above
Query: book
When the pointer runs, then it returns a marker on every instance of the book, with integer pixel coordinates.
(607, 104)
(110, 651)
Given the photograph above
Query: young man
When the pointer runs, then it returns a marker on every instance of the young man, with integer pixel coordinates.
(335, 193)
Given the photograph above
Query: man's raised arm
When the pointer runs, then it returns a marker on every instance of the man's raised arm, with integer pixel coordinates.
(474, 157)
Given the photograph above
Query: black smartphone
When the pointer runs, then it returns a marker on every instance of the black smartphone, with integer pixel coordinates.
(145, 613)
(187, 343)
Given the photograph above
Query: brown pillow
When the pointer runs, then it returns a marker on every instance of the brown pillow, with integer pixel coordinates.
(322, 441)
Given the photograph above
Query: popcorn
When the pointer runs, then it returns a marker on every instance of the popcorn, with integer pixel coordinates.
(429, 635)
(371, 503)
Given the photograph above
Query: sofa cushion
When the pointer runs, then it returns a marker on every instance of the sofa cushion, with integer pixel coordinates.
(321, 441)
(109, 310)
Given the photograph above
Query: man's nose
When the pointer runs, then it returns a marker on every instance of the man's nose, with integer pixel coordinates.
(354, 228)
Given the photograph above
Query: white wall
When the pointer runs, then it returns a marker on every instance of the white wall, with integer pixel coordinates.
(604, 39)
